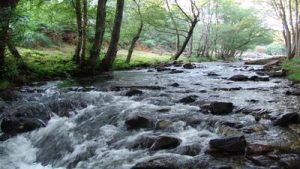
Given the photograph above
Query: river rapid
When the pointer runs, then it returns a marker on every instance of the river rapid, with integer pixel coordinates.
(86, 128)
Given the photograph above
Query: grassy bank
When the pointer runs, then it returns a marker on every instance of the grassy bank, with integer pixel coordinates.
(293, 68)
(48, 63)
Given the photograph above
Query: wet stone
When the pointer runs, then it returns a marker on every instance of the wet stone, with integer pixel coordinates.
(14, 125)
(174, 71)
(188, 99)
(165, 142)
(168, 162)
(142, 142)
(239, 78)
(138, 122)
(175, 85)
(231, 145)
(217, 108)
(189, 150)
(258, 149)
(286, 119)
(189, 66)
(133, 92)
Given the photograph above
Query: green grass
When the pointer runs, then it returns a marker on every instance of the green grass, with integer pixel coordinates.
(293, 68)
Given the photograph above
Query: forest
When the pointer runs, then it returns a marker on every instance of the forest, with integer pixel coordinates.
(149, 84)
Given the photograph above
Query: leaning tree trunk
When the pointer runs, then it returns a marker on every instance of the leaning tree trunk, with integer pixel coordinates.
(78, 49)
(110, 56)
(99, 36)
(186, 41)
(133, 42)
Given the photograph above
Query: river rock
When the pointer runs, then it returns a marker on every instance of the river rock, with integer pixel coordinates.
(165, 142)
(162, 69)
(222, 167)
(259, 78)
(9, 95)
(189, 66)
(163, 124)
(63, 107)
(14, 125)
(142, 142)
(293, 93)
(262, 161)
(258, 149)
(138, 122)
(239, 78)
(175, 85)
(188, 99)
(286, 119)
(189, 150)
(289, 161)
(174, 71)
(133, 92)
(232, 145)
(164, 162)
(217, 108)
(212, 74)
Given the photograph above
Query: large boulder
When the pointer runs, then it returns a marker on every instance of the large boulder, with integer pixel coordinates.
(165, 142)
(217, 108)
(14, 125)
(286, 119)
(231, 145)
(138, 122)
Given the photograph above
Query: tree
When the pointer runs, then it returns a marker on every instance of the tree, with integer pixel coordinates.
(99, 36)
(193, 20)
(288, 12)
(138, 34)
(110, 56)
(81, 20)
(6, 10)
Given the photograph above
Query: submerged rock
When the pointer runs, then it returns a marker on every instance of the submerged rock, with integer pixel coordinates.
(293, 93)
(189, 66)
(212, 74)
(188, 99)
(259, 78)
(165, 142)
(133, 92)
(239, 78)
(142, 142)
(286, 119)
(231, 145)
(175, 85)
(189, 150)
(137, 122)
(174, 71)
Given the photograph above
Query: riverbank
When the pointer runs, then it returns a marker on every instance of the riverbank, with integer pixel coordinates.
(293, 68)
(56, 63)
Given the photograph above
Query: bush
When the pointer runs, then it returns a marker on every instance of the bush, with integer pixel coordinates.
(275, 49)
(149, 43)
(35, 39)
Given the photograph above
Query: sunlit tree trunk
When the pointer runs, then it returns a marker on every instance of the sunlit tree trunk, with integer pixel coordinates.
(78, 50)
(84, 33)
(110, 56)
(133, 42)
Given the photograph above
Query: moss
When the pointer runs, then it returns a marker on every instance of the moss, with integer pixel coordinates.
(293, 68)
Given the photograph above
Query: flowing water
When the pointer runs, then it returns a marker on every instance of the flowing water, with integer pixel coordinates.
(94, 136)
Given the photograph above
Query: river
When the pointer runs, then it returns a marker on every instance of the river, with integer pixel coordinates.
(92, 132)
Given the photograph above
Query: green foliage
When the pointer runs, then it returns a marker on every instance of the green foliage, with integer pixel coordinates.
(275, 49)
(293, 68)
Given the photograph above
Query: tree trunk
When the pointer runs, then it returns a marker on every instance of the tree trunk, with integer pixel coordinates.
(78, 49)
(191, 46)
(186, 41)
(84, 34)
(133, 42)
(110, 56)
(12, 49)
(99, 36)
(5, 14)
